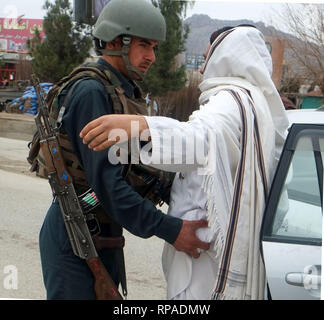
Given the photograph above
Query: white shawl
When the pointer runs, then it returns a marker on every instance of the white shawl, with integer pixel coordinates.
(241, 60)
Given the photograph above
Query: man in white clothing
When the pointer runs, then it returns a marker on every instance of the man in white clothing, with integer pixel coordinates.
(242, 126)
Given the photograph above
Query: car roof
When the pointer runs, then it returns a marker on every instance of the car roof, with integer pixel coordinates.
(306, 116)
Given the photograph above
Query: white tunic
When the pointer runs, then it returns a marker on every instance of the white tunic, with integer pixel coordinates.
(188, 278)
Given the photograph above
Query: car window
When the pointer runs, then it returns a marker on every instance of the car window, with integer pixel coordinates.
(299, 211)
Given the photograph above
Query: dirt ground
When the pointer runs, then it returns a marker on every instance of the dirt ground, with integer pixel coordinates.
(24, 201)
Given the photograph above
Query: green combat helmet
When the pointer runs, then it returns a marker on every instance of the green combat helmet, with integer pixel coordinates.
(128, 18)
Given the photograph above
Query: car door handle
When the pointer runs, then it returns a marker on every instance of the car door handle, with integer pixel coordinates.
(310, 277)
(295, 279)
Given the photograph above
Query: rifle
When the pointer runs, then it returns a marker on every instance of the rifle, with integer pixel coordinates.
(73, 216)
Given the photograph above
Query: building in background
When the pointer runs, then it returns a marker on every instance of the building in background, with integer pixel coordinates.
(194, 61)
(14, 33)
(87, 11)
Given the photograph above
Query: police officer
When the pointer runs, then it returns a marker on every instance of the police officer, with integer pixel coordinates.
(126, 34)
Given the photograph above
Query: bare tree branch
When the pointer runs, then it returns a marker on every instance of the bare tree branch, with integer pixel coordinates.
(307, 25)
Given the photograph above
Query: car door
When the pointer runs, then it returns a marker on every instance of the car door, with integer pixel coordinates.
(291, 234)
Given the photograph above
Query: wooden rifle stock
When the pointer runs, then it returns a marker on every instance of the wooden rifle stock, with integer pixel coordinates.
(104, 286)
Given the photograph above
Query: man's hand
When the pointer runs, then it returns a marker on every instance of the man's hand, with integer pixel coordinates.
(97, 132)
(187, 240)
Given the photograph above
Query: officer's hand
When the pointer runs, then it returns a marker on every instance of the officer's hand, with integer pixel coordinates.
(107, 130)
(187, 240)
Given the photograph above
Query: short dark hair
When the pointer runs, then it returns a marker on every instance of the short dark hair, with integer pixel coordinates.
(216, 33)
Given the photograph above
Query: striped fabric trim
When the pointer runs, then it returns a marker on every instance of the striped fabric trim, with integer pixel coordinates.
(226, 259)
(259, 150)
(88, 200)
(258, 145)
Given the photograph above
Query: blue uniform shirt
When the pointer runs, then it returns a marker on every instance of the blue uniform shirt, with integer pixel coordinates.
(89, 100)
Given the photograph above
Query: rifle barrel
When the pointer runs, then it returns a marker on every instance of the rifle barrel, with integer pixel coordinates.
(43, 110)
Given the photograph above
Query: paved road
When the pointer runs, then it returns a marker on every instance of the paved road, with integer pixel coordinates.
(24, 200)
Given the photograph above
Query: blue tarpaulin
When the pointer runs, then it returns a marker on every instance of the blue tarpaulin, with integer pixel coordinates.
(27, 103)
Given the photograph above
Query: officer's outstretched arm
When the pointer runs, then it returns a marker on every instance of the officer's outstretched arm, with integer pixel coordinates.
(101, 133)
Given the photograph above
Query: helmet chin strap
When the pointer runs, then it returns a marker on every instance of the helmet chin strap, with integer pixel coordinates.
(131, 71)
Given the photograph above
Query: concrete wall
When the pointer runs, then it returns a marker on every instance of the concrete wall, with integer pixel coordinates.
(17, 126)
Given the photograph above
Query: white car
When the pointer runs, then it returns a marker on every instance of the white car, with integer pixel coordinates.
(291, 235)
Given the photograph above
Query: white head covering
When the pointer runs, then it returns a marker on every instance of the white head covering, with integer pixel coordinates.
(237, 50)
(240, 56)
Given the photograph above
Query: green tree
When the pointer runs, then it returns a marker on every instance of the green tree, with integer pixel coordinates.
(165, 74)
(66, 43)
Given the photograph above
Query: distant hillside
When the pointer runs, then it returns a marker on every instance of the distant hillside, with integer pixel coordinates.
(202, 26)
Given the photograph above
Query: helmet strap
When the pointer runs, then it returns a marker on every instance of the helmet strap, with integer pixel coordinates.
(126, 40)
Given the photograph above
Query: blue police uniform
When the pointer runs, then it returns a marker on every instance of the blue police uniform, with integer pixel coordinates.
(65, 275)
